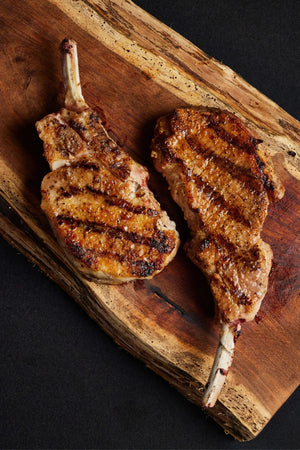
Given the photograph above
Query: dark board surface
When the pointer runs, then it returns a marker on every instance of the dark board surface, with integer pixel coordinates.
(64, 382)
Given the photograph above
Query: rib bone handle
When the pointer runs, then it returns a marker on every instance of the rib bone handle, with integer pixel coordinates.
(73, 98)
(222, 363)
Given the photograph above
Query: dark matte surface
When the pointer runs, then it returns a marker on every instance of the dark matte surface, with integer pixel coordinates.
(63, 382)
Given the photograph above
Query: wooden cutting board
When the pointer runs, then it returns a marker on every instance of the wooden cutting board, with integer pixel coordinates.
(136, 69)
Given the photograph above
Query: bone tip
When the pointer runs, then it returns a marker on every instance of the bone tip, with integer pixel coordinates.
(68, 45)
(207, 404)
(210, 397)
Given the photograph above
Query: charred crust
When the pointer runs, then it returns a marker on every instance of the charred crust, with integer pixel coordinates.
(86, 165)
(239, 172)
(90, 258)
(204, 244)
(77, 250)
(268, 184)
(77, 126)
(66, 194)
(256, 178)
(159, 240)
(213, 195)
(260, 164)
(143, 268)
(243, 141)
(94, 117)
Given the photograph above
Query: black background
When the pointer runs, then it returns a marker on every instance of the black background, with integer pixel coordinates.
(63, 381)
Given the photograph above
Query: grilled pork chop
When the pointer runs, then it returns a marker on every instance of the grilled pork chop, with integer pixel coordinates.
(220, 176)
(96, 197)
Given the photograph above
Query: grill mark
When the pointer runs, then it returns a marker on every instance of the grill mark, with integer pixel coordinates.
(85, 164)
(249, 147)
(123, 204)
(268, 184)
(250, 259)
(111, 200)
(160, 242)
(236, 171)
(141, 268)
(77, 126)
(219, 200)
(88, 256)
(214, 196)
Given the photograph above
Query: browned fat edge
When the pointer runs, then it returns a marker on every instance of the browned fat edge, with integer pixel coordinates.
(215, 120)
(161, 243)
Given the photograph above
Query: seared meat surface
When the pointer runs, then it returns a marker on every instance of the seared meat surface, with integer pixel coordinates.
(222, 179)
(96, 196)
(238, 277)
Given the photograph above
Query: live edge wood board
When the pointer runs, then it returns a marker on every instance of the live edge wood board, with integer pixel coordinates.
(136, 69)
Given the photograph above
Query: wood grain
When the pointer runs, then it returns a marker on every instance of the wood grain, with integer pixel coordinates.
(135, 69)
